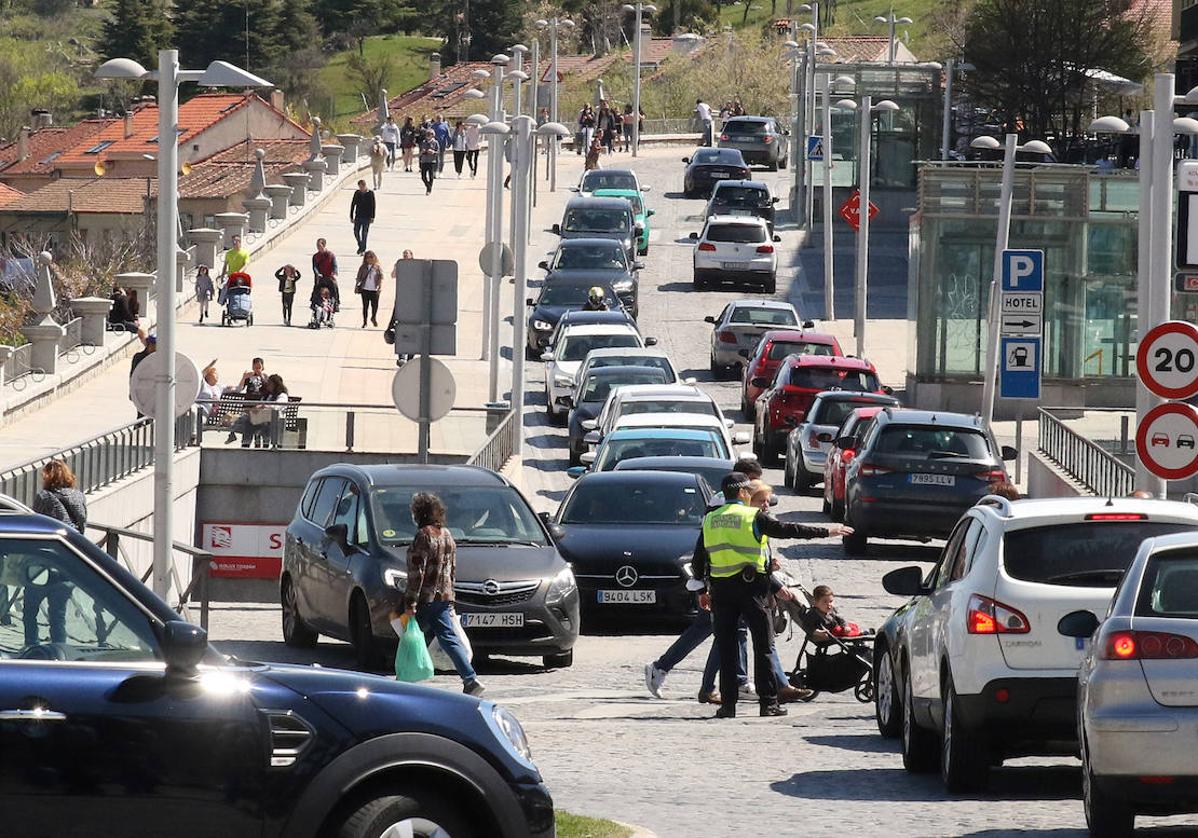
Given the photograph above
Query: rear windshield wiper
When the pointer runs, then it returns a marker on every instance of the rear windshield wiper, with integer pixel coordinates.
(1114, 574)
(942, 455)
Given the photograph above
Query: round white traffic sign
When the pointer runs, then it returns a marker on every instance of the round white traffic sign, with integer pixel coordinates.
(1167, 360)
(144, 383)
(1167, 441)
(405, 389)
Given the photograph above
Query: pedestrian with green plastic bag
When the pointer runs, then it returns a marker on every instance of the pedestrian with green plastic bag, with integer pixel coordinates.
(432, 561)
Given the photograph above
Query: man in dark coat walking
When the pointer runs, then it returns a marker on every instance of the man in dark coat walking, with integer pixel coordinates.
(361, 213)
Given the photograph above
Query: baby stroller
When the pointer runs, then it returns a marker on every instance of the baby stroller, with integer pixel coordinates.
(321, 318)
(235, 296)
(832, 665)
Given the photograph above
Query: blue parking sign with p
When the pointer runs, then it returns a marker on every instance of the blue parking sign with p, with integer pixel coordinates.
(1023, 270)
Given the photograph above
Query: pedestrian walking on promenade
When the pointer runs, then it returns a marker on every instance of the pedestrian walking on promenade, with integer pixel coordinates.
(390, 134)
(236, 258)
(288, 276)
(733, 556)
(324, 261)
(432, 563)
(368, 284)
(606, 125)
(378, 161)
(430, 154)
(61, 500)
(459, 146)
(444, 138)
(626, 125)
(361, 214)
(586, 129)
(407, 142)
(205, 290)
(474, 142)
(703, 118)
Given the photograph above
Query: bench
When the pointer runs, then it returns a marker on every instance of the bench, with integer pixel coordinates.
(289, 425)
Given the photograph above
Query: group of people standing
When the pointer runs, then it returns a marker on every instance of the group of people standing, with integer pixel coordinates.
(426, 143)
(605, 128)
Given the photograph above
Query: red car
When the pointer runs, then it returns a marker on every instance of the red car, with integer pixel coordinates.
(794, 387)
(775, 345)
(853, 428)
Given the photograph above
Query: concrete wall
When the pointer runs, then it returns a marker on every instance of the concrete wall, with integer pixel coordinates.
(965, 396)
(1045, 480)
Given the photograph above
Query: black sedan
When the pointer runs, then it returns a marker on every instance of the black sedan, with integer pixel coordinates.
(591, 394)
(629, 535)
(601, 260)
(707, 166)
(711, 469)
(558, 296)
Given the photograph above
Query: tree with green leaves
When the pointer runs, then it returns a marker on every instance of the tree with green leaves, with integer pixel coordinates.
(298, 57)
(491, 27)
(137, 29)
(230, 30)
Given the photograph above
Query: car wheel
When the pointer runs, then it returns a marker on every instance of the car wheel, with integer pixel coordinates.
(887, 702)
(367, 653)
(770, 287)
(416, 813)
(575, 458)
(559, 661)
(964, 764)
(296, 633)
(787, 473)
(920, 751)
(1106, 817)
(801, 482)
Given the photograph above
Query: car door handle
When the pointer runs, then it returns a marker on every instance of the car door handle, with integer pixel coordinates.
(32, 716)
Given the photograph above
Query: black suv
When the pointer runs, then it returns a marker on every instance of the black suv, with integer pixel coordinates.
(114, 711)
(742, 197)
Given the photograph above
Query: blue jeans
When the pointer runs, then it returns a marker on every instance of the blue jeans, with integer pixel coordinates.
(689, 640)
(436, 619)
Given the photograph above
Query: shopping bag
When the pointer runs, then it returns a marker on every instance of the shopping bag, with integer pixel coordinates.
(412, 662)
(439, 657)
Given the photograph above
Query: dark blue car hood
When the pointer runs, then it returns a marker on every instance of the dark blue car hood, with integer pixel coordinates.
(606, 545)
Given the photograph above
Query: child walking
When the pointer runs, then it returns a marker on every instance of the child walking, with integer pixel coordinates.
(205, 290)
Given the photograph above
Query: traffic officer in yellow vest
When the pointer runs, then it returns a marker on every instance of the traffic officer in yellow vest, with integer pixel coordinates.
(737, 561)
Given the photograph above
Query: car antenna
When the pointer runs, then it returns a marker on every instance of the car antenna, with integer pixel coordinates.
(1110, 501)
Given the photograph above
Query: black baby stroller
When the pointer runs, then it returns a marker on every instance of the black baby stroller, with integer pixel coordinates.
(829, 664)
(320, 317)
(236, 297)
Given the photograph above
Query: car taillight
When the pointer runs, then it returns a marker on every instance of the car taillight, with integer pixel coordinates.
(727, 337)
(765, 248)
(767, 139)
(989, 616)
(873, 470)
(707, 246)
(991, 475)
(1148, 645)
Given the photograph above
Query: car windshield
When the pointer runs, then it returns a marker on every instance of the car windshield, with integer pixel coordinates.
(716, 156)
(741, 196)
(829, 378)
(779, 349)
(638, 208)
(635, 502)
(599, 179)
(930, 442)
(598, 386)
(713, 473)
(576, 347)
(745, 126)
(1092, 554)
(591, 257)
(1170, 586)
(598, 221)
(571, 295)
(474, 515)
(640, 406)
(737, 233)
(761, 316)
(656, 361)
(614, 450)
(833, 411)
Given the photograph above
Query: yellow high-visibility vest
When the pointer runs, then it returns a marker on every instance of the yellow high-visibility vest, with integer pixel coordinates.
(730, 542)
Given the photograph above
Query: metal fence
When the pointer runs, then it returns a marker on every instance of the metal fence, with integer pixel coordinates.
(196, 589)
(1084, 460)
(72, 337)
(500, 445)
(19, 362)
(684, 125)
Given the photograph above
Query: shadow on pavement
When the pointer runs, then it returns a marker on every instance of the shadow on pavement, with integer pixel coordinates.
(676, 286)
(895, 784)
(861, 743)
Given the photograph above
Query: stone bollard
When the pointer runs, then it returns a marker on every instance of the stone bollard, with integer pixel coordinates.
(316, 171)
(332, 158)
(257, 208)
(182, 260)
(298, 181)
(205, 239)
(94, 312)
(280, 196)
(353, 148)
(231, 224)
(45, 333)
(142, 283)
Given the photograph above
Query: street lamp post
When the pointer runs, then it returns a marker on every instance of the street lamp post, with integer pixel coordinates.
(519, 77)
(169, 76)
(639, 8)
(893, 22)
(829, 268)
(495, 232)
(867, 109)
(553, 25)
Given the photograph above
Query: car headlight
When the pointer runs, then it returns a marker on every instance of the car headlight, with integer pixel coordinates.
(542, 326)
(509, 727)
(563, 381)
(622, 285)
(685, 558)
(395, 578)
(562, 586)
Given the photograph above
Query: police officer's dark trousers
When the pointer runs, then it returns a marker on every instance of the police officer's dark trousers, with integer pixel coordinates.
(732, 599)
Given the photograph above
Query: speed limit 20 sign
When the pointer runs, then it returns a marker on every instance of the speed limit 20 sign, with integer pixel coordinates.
(1167, 360)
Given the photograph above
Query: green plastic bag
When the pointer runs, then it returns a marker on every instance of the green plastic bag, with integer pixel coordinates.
(412, 661)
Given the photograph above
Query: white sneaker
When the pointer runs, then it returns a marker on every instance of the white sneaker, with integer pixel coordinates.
(654, 678)
(746, 691)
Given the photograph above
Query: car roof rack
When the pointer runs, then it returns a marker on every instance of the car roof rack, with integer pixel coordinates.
(1001, 504)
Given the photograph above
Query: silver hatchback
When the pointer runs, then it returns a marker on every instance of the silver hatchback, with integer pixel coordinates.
(1138, 690)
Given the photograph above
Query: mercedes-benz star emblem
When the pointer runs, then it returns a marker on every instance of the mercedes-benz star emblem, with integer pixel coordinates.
(490, 587)
(626, 576)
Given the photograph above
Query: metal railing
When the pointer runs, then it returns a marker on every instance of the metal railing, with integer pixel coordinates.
(500, 445)
(19, 363)
(72, 337)
(1083, 459)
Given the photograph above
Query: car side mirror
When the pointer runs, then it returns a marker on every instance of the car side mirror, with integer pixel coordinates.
(844, 443)
(808, 324)
(741, 438)
(646, 188)
(529, 302)
(556, 229)
(545, 517)
(575, 472)
(791, 420)
(588, 458)
(686, 160)
(709, 319)
(824, 437)
(744, 353)
(888, 390)
(650, 341)
(1081, 624)
(763, 383)
(556, 531)
(639, 227)
(591, 437)
(590, 424)
(574, 189)
(1009, 454)
(777, 238)
(906, 581)
(565, 401)
(693, 237)
(183, 647)
(546, 356)
(690, 380)
(543, 264)
(729, 424)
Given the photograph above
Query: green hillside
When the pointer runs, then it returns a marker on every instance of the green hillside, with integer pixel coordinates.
(409, 58)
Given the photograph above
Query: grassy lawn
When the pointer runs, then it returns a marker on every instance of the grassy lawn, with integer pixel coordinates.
(579, 826)
(409, 55)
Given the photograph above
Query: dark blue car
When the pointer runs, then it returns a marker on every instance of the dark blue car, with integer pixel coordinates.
(117, 718)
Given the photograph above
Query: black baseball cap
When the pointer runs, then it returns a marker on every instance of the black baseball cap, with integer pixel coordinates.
(733, 483)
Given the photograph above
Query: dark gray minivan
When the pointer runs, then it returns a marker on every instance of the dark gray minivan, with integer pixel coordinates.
(344, 562)
(600, 218)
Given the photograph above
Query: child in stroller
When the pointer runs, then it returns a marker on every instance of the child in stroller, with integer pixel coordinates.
(836, 655)
(235, 297)
(322, 310)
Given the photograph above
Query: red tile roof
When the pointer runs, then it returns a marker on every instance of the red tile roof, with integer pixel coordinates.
(229, 172)
(8, 194)
(47, 145)
(445, 94)
(99, 195)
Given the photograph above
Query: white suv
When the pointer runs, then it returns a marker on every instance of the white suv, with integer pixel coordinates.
(736, 248)
(572, 344)
(972, 670)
